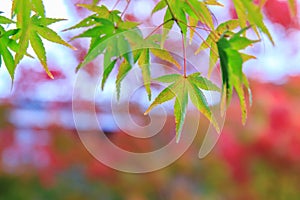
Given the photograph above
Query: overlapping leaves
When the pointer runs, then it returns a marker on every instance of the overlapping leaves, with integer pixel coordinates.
(213, 37)
(120, 42)
(231, 62)
(31, 24)
(186, 14)
(7, 45)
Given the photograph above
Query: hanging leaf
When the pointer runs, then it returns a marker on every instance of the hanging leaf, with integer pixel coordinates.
(231, 61)
(33, 33)
(39, 49)
(32, 25)
(6, 55)
(211, 42)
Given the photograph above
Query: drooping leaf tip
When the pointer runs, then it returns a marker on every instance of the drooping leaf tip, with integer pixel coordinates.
(177, 139)
(51, 76)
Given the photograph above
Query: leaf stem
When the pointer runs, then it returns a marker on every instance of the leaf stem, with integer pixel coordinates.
(198, 27)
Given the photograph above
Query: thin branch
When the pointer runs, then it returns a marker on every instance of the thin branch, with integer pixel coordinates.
(125, 9)
(117, 2)
(158, 27)
(202, 28)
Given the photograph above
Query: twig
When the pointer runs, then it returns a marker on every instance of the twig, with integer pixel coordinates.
(125, 9)
(117, 2)
(158, 27)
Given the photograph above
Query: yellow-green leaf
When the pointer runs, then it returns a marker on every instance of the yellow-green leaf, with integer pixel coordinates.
(180, 105)
(8, 59)
(166, 95)
(107, 71)
(202, 82)
(144, 64)
(102, 11)
(4, 20)
(193, 23)
(123, 70)
(199, 100)
(159, 6)
(38, 7)
(39, 49)
(213, 3)
(165, 55)
(169, 78)
(293, 7)
(52, 36)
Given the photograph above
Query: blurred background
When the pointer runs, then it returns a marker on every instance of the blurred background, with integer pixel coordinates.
(41, 156)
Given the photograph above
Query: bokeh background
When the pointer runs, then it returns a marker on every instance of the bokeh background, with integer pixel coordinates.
(41, 156)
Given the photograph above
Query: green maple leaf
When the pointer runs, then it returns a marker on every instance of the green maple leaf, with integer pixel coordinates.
(32, 33)
(32, 28)
(144, 64)
(181, 88)
(105, 31)
(7, 44)
(211, 41)
(5, 53)
(231, 61)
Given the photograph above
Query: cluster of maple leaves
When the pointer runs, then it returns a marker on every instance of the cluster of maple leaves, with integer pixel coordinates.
(123, 44)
